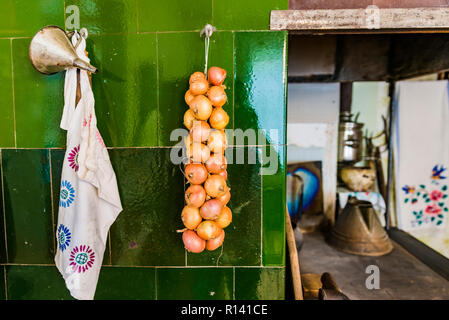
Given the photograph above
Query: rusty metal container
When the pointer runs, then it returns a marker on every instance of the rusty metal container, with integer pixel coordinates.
(359, 231)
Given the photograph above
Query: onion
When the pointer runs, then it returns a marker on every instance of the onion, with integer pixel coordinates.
(201, 106)
(189, 117)
(200, 131)
(216, 75)
(188, 97)
(198, 152)
(218, 118)
(217, 141)
(211, 209)
(191, 217)
(199, 87)
(192, 242)
(197, 76)
(224, 198)
(217, 96)
(216, 163)
(215, 186)
(208, 230)
(224, 174)
(195, 195)
(196, 173)
(215, 243)
(224, 218)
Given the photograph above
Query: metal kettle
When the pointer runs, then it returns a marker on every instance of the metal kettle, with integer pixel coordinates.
(51, 51)
(350, 139)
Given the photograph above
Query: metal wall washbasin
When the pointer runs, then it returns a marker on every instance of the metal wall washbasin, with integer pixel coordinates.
(51, 51)
(359, 231)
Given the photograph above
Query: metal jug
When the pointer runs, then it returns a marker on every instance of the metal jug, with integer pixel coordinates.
(51, 51)
(359, 231)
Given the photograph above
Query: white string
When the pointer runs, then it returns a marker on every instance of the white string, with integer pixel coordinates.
(207, 31)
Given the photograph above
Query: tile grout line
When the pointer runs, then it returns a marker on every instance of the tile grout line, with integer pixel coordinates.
(233, 283)
(52, 203)
(149, 267)
(110, 246)
(212, 13)
(3, 205)
(13, 94)
(137, 16)
(233, 81)
(6, 283)
(261, 213)
(155, 283)
(157, 91)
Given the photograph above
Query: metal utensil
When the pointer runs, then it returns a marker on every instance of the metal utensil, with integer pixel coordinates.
(51, 51)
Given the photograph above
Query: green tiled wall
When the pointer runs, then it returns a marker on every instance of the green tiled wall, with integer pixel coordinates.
(145, 51)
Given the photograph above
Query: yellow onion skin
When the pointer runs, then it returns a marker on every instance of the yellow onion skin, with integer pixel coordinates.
(215, 186)
(224, 174)
(196, 173)
(219, 119)
(225, 217)
(201, 107)
(191, 217)
(216, 75)
(189, 119)
(217, 141)
(196, 76)
(215, 243)
(208, 230)
(216, 163)
(199, 87)
(224, 198)
(217, 96)
(188, 97)
(198, 152)
(195, 195)
(192, 242)
(211, 209)
(200, 131)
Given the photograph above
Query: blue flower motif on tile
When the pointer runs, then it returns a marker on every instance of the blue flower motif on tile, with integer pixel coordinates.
(64, 237)
(67, 194)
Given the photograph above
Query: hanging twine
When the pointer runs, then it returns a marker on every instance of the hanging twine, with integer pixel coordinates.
(207, 31)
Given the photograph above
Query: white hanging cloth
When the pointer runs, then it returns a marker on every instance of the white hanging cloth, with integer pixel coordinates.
(421, 152)
(89, 199)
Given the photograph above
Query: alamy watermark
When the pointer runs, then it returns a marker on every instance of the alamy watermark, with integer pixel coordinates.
(373, 280)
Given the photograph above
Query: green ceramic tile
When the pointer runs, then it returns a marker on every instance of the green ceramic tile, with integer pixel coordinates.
(243, 237)
(125, 88)
(100, 17)
(2, 225)
(39, 100)
(274, 205)
(260, 83)
(176, 63)
(35, 283)
(57, 160)
(194, 284)
(2, 283)
(25, 17)
(126, 284)
(245, 15)
(28, 206)
(259, 283)
(6, 99)
(152, 193)
(181, 54)
(179, 15)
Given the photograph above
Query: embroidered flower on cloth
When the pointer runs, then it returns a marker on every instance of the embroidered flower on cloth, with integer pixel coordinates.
(64, 237)
(408, 189)
(436, 195)
(67, 194)
(73, 158)
(82, 258)
(437, 171)
(433, 209)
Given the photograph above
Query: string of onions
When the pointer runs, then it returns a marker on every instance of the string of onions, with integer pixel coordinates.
(206, 214)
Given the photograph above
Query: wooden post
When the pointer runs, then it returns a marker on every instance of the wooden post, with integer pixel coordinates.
(294, 262)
